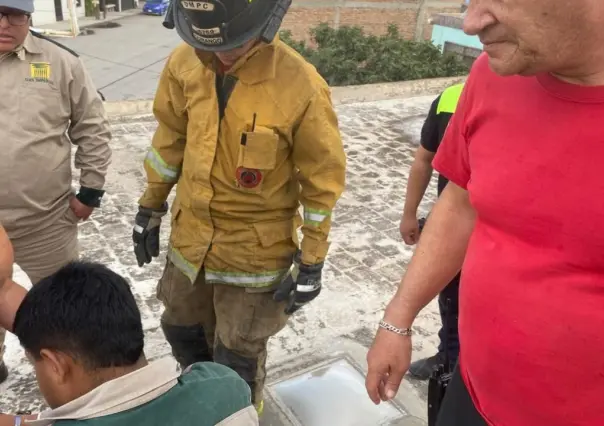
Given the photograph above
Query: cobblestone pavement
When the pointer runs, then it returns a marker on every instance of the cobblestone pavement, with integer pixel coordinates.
(366, 260)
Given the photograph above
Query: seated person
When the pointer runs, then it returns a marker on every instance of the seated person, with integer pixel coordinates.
(82, 330)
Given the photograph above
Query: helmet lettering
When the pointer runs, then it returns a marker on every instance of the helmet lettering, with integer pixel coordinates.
(198, 5)
(206, 31)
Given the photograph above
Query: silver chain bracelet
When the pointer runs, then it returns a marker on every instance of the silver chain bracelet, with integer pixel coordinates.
(400, 331)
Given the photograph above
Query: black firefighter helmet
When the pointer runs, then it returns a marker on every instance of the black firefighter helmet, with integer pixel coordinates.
(220, 25)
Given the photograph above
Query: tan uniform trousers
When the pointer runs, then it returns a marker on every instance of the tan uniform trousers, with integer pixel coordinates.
(226, 324)
(44, 252)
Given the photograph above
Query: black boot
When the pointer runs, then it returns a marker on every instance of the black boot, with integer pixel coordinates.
(189, 344)
(422, 369)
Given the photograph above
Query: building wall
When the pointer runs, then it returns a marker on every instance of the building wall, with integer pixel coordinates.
(373, 15)
(442, 35)
(454, 40)
(45, 11)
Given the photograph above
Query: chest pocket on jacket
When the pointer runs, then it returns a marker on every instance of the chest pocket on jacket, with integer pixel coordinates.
(258, 149)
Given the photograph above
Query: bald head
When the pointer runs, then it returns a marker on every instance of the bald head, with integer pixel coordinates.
(564, 37)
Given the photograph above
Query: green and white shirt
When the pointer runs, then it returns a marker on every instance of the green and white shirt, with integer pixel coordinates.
(206, 394)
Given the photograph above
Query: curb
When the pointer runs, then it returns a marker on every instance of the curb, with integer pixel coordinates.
(389, 91)
(341, 95)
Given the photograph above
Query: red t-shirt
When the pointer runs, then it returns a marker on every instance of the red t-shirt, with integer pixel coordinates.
(530, 152)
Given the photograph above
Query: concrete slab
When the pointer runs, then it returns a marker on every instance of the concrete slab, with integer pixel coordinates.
(363, 268)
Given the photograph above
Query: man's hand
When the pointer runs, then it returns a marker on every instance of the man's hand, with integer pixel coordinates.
(301, 285)
(410, 229)
(146, 233)
(388, 361)
(81, 211)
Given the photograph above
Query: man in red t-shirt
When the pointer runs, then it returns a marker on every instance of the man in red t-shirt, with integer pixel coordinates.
(524, 213)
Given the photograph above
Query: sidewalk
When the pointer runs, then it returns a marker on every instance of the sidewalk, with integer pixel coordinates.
(91, 21)
(125, 62)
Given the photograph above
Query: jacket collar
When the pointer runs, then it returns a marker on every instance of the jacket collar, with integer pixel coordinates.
(118, 395)
(256, 66)
(30, 45)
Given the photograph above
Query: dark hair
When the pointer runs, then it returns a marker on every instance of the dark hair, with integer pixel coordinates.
(84, 310)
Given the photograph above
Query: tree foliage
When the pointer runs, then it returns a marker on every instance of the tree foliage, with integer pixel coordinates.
(348, 56)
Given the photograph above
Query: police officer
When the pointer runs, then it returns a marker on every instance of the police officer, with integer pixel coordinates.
(48, 103)
(247, 133)
(433, 130)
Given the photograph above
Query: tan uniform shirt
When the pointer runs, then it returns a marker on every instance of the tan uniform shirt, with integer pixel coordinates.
(48, 103)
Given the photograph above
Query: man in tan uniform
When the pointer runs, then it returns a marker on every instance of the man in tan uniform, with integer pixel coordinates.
(48, 103)
(247, 133)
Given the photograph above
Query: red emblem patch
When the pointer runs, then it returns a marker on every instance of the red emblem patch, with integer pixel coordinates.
(249, 178)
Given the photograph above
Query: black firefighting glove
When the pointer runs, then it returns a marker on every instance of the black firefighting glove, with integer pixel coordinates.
(146, 233)
(301, 285)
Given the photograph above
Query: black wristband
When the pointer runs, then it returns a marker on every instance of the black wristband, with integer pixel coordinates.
(90, 197)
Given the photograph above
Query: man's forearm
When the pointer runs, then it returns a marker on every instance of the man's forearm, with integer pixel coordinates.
(11, 296)
(419, 179)
(93, 158)
(438, 258)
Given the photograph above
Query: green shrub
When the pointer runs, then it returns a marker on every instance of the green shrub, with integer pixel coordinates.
(348, 56)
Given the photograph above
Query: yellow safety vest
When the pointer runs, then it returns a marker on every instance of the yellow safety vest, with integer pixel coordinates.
(449, 99)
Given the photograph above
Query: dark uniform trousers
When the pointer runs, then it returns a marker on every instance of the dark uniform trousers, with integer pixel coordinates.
(448, 304)
(457, 408)
(222, 323)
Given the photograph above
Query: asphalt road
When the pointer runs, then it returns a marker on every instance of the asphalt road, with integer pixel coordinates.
(125, 62)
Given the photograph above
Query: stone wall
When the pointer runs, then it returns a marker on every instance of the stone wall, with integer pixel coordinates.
(411, 16)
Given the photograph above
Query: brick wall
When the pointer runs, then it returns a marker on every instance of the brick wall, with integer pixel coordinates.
(373, 15)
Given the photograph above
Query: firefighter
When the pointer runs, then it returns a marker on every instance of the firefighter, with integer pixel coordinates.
(247, 132)
(48, 103)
